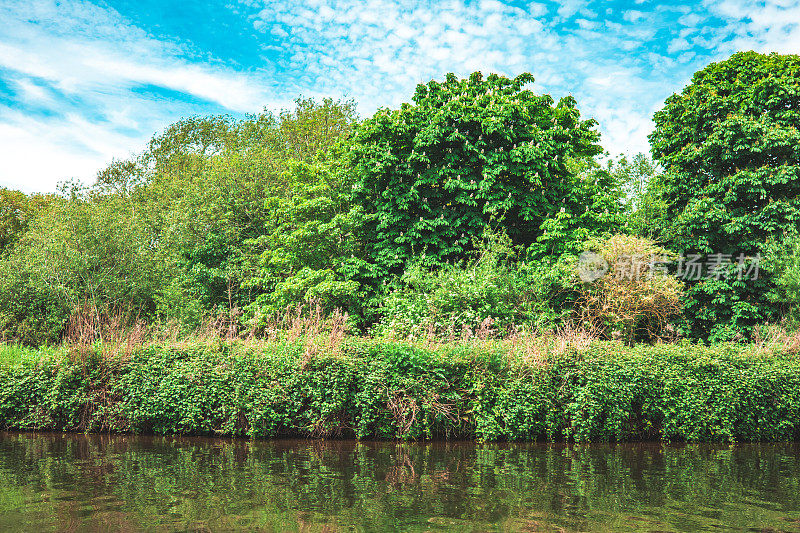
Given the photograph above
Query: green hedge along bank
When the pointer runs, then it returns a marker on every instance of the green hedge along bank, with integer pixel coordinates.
(381, 390)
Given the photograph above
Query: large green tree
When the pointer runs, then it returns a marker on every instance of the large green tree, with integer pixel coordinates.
(213, 187)
(730, 145)
(473, 152)
(313, 249)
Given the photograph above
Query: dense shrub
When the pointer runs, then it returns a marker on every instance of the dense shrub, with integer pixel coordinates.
(398, 390)
(633, 297)
(479, 296)
(88, 250)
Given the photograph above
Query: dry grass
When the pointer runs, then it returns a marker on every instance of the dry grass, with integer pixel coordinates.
(530, 347)
(119, 331)
(308, 322)
(536, 349)
(772, 339)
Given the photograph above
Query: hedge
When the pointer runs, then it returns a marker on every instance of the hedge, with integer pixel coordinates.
(379, 390)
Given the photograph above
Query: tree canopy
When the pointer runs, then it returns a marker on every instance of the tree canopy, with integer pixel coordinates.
(465, 209)
(730, 144)
(465, 154)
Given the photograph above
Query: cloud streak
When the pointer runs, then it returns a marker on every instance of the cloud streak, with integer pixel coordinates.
(77, 70)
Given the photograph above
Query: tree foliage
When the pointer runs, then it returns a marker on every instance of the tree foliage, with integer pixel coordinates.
(639, 179)
(236, 219)
(730, 144)
(172, 233)
(433, 174)
(314, 246)
(16, 211)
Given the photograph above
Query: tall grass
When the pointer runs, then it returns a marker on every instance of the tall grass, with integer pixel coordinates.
(118, 333)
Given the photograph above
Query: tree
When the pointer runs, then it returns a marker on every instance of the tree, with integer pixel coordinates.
(467, 153)
(633, 176)
(640, 182)
(782, 260)
(313, 249)
(173, 233)
(86, 252)
(730, 145)
(311, 130)
(16, 211)
(243, 197)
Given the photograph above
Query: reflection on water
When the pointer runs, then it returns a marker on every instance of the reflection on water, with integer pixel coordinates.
(127, 483)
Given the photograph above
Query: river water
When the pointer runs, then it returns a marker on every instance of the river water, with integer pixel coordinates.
(57, 482)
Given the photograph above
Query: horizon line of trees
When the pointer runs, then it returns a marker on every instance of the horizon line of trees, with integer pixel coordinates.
(467, 206)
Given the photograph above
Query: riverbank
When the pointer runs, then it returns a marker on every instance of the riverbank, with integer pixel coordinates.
(601, 391)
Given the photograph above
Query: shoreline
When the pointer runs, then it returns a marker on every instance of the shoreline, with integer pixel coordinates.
(350, 444)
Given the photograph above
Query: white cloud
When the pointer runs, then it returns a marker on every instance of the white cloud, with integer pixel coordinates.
(231, 91)
(98, 49)
(690, 19)
(86, 79)
(40, 150)
(569, 7)
(633, 15)
(765, 26)
(32, 92)
(677, 45)
(590, 62)
(75, 66)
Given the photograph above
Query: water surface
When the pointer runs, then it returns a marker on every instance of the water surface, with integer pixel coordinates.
(56, 482)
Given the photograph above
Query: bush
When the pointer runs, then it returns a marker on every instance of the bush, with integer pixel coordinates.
(372, 389)
(88, 250)
(32, 311)
(477, 297)
(635, 298)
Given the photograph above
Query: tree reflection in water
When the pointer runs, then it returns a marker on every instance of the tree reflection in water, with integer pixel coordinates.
(130, 483)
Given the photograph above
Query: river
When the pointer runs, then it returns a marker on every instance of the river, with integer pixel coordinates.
(57, 482)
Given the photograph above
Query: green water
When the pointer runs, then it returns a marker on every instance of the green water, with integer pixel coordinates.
(125, 483)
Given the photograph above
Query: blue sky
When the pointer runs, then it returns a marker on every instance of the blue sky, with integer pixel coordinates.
(84, 82)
